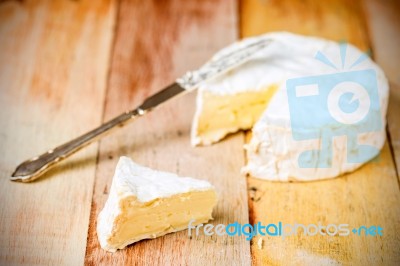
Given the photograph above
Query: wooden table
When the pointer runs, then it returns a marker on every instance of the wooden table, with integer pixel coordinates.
(67, 66)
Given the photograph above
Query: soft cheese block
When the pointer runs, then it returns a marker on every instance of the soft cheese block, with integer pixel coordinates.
(145, 203)
(255, 95)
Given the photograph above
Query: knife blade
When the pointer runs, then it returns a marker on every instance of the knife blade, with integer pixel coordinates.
(33, 168)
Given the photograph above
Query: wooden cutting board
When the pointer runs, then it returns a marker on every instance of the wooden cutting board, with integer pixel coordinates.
(66, 66)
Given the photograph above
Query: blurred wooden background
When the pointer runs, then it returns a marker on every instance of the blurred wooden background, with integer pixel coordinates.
(67, 66)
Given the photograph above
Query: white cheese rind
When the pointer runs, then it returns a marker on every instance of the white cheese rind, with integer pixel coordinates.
(272, 152)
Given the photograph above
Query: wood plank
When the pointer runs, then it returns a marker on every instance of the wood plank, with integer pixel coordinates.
(54, 59)
(384, 26)
(369, 196)
(180, 35)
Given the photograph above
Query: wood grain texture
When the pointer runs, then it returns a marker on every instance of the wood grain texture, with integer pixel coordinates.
(369, 196)
(384, 26)
(54, 57)
(309, 17)
(181, 35)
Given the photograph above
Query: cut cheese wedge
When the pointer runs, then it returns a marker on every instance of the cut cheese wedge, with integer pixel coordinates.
(145, 203)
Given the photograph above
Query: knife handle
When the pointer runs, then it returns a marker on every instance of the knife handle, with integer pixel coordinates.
(33, 168)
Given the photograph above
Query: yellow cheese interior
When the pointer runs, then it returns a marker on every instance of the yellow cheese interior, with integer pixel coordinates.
(139, 220)
(224, 114)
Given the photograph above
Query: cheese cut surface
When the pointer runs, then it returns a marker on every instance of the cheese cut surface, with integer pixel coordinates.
(273, 153)
(144, 203)
(219, 115)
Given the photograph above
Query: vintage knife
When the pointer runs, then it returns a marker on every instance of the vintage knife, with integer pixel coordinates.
(33, 168)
